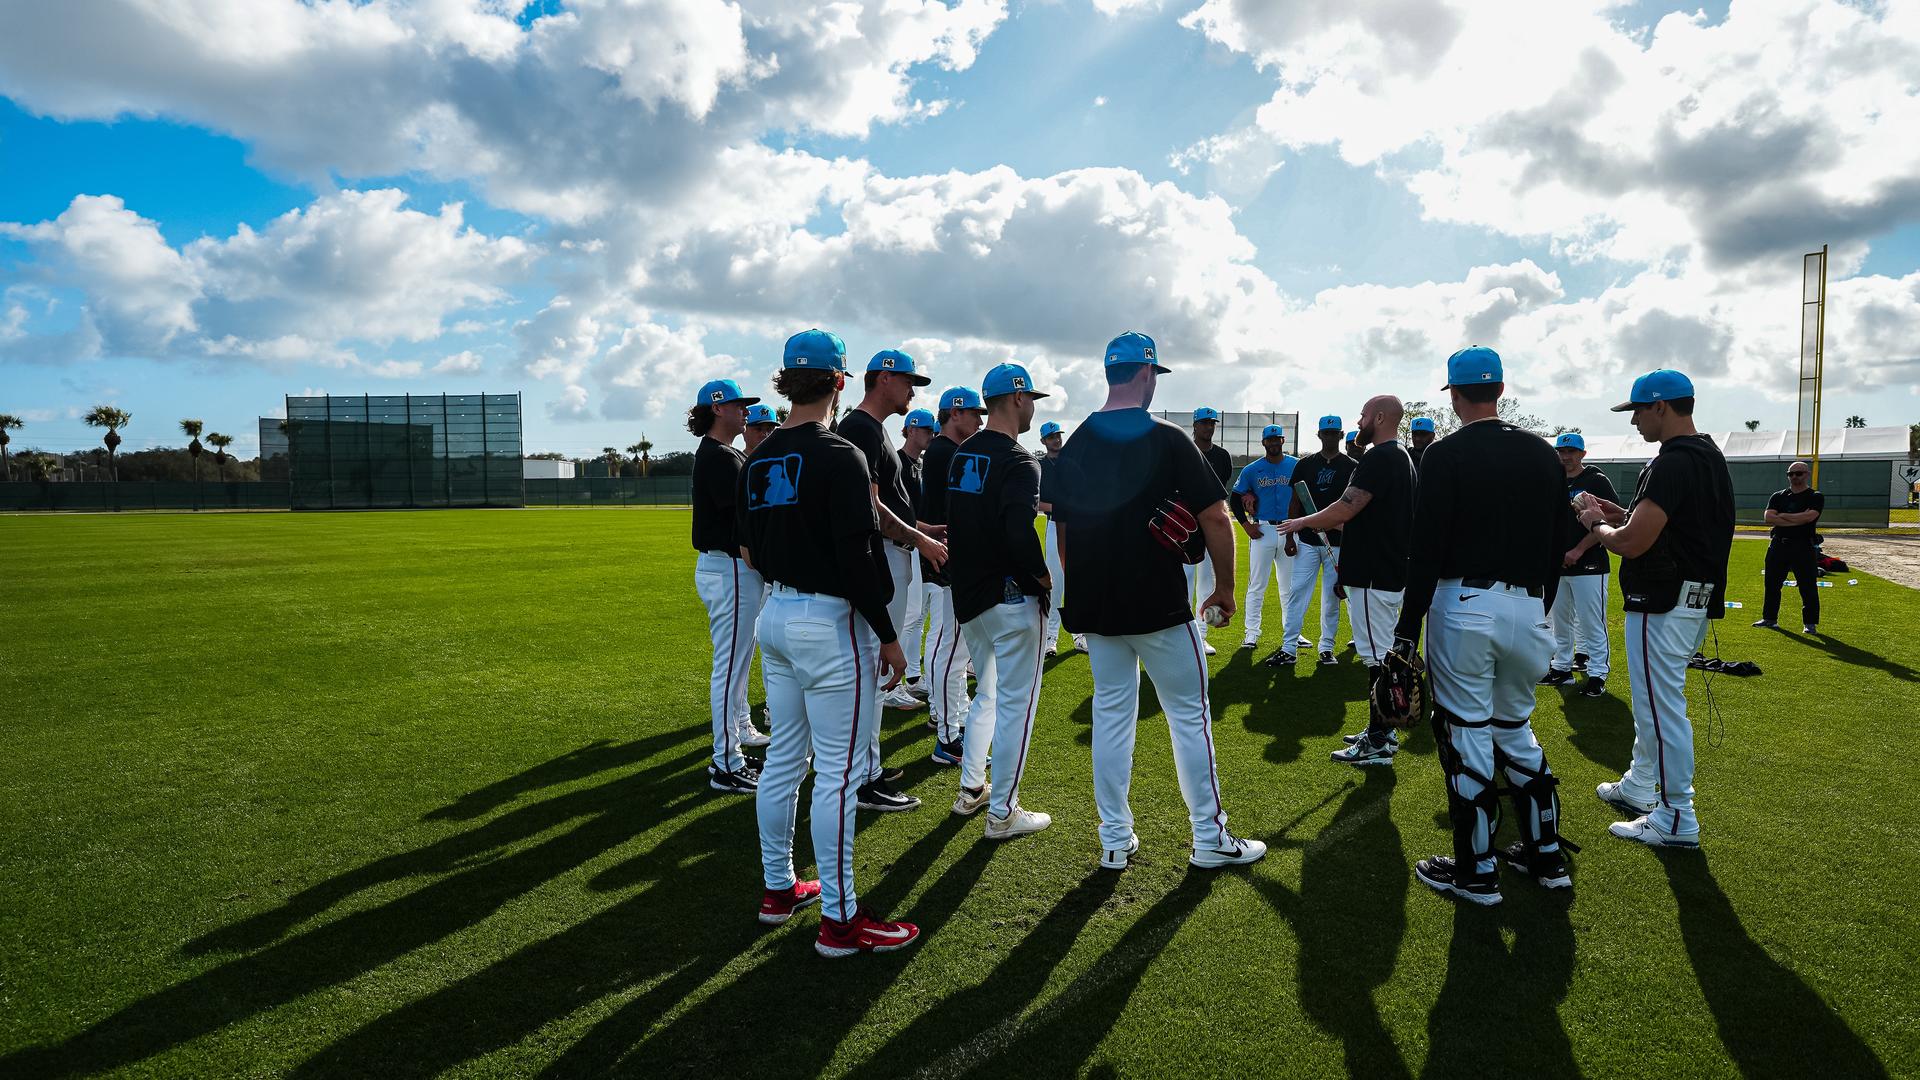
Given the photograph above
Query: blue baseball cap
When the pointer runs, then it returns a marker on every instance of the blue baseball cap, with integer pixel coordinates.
(899, 363)
(1330, 423)
(1133, 347)
(1422, 423)
(1353, 436)
(1662, 385)
(761, 414)
(1049, 429)
(1272, 431)
(815, 350)
(961, 397)
(1570, 441)
(721, 391)
(1204, 413)
(1008, 379)
(1475, 365)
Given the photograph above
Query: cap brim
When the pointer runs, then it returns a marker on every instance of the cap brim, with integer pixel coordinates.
(919, 380)
(1163, 370)
(1622, 407)
(747, 400)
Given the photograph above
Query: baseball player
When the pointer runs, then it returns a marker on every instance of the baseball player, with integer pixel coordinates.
(1001, 591)
(1673, 546)
(1375, 516)
(914, 437)
(1206, 424)
(1490, 526)
(760, 424)
(808, 521)
(730, 589)
(1352, 448)
(1579, 611)
(1052, 439)
(1792, 511)
(1266, 483)
(1420, 434)
(1139, 497)
(960, 416)
(1326, 475)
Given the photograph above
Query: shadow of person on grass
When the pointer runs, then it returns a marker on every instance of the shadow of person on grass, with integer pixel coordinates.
(1771, 1022)
(1854, 656)
(1601, 729)
(595, 757)
(1498, 1013)
(480, 876)
(1350, 918)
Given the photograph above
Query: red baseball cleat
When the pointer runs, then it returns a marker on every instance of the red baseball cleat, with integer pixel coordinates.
(778, 905)
(863, 933)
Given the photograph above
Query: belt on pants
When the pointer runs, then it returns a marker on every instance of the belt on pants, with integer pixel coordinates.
(1264, 521)
(1535, 591)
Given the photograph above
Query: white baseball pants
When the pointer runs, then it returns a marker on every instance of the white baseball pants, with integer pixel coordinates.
(1178, 667)
(1374, 613)
(1008, 654)
(731, 590)
(1321, 560)
(1266, 558)
(1658, 648)
(1580, 623)
(1050, 635)
(915, 623)
(819, 656)
(900, 563)
(1486, 651)
(947, 656)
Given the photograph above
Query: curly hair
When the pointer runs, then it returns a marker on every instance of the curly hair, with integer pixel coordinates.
(805, 387)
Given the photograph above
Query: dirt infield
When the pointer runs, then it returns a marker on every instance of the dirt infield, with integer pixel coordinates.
(1895, 558)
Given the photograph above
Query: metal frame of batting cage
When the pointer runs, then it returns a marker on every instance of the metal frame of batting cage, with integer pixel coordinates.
(1239, 432)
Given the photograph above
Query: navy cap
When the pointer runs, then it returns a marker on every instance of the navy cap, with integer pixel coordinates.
(815, 350)
(1204, 413)
(1008, 379)
(1331, 423)
(1570, 441)
(961, 397)
(1272, 431)
(1134, 348)
(1475, 365)
(922, 418)
(1049, 429)
(899, 363)
(1662, 385)
(1422, 423)
(721, 391)
(761, 414)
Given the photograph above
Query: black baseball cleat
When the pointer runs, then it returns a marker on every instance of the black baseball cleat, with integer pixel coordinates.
(1810, 628)
(879, 795)
(1327, 659)
(1280, 659)
(1437, 874)
(736, 782)
(892, 776)
(1765, 624)
(1556, 677)
(1548, 868)
(1595, 687)
(1580, 661)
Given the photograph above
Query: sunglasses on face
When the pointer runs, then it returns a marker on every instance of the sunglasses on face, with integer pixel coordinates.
(1796, 474)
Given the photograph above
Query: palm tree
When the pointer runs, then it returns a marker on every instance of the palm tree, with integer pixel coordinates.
(113, 420)
(192, 430)
(1753, 425)
(643, 446)
(1856, 421)
(8, 422)
(613, 460)
(220, 443)
(39, 465)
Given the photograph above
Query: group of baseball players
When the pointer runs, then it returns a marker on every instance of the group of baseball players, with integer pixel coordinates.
(873, 577)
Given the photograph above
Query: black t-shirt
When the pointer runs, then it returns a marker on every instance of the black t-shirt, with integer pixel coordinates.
(1222, 463)
(716, 475)
(1490, 505)
(806, 517)
(1595, 561)
(992, 486)
(1050, 483)
(933, 494)
(883, 461)
(1325, 481)
(1117, 469)
(910, 479)
(1415, 453)
(1374, 549)
(1788, 501)
(1688, 479)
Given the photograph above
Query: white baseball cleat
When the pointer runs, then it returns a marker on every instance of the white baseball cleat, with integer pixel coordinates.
(1079, 643)
(1210, 649)
(1117, 858)
(753, 736)
(1019, 823)
(967, 803)
(902, 699)
(1237, 852)
(1642, 830)
(1611, 794)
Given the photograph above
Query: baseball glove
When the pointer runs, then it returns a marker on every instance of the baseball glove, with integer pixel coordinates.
(1399, 692)
(1177, 530)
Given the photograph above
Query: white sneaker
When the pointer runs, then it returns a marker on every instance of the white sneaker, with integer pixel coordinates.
(1642, 830)
(753, 736)
(1611, 794)
(1209, 647)
(1393, 737)
(917, 687)
(1019, 823)
(968, 803)
(1079, 643)
(1237, 853)
(902, 699)
(1363, 751)
(1117, 858)
(1302, 642)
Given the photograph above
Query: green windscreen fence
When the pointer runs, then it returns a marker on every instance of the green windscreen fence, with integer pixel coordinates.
(407, 450)
(611, 491)
(1856, 491)
(145, 495)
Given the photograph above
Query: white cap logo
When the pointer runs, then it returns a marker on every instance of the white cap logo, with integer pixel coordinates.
(886, 362)
(719, 396)
(1148, 353)
(958, 401)
(1019, 383)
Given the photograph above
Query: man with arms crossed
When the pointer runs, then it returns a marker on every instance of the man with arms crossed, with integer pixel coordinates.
(1792, 512)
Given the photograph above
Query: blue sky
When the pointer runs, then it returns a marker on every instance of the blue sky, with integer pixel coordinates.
(1309, 208)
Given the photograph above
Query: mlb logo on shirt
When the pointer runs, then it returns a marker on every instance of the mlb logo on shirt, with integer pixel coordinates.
(970, 472)
(773, 482)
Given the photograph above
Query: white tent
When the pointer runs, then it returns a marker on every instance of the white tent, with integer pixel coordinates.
(1836, 444)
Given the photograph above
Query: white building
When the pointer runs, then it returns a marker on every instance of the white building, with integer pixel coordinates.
(546, 469)
(1888, 444)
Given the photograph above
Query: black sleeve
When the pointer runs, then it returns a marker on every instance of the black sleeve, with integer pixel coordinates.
(720, 479)
(1603, 487)
(1018, 496)
(740, 512)
(854, 525)
(1370, 474)
(865, 438)
(1193, 478)
(1433, 504)
(1817, 503)
(1777, 502)
(1666, 484)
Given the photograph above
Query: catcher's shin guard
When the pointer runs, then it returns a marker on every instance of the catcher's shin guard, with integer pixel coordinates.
(1536, 804)
(1475, 817)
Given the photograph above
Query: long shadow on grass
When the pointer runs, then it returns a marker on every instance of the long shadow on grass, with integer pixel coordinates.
(1498, 1010)
(335, 952)
(1772, 1023)
(1350, 917)
(1854, 656)
(1601, 729)
(593, 758)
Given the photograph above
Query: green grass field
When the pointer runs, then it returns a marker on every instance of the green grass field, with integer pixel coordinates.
(377, 795)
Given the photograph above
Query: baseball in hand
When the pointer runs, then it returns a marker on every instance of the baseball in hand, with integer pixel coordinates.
(1215, 615)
